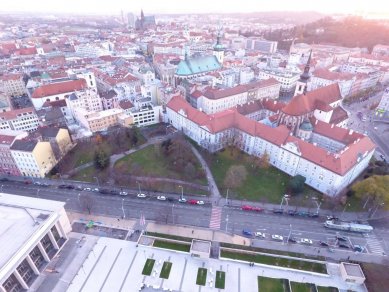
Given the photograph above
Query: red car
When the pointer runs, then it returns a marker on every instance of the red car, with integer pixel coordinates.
(192, 202)
(251, 208)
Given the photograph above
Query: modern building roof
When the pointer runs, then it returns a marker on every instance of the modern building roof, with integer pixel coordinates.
(197, 65)
(59, 88)
(21, 219)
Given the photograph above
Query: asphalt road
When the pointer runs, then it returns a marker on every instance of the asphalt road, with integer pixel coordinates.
(233, 219)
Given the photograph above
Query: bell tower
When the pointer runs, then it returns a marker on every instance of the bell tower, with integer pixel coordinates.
(301, 86)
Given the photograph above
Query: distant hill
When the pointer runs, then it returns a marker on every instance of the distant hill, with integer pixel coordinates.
(348, 32)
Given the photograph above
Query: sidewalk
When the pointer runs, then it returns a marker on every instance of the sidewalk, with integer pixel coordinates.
(106, 221)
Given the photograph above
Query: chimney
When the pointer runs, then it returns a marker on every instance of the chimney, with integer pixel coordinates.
(351, 132)
(332, 125)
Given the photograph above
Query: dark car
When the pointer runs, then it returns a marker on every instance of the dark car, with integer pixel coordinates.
(302, 213)
(358, 248)
(27, 182)
(292, 212)
(343, 245)
(341, 238)
(323, 243)
(62, 186)
(114, 192)
(247, 232)
(278, 211)
(70, 187)
(292, 240)
(332, 217)
(104, 191)
(313, 215)
(170, 199)
(4, 179)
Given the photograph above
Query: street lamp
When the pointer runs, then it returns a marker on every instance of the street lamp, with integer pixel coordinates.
(317, 204)
(227, 223)
(78, 197)
(227, 197)
(97, 179)
(172, 214)
(377, 208)
(124, 214)
(182, 191)
(290, 232)
(37, 192)
(344, 209)
(138, 186)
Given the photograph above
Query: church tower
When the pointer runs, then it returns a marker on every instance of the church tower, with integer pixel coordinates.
(218, 49)
(301, 86)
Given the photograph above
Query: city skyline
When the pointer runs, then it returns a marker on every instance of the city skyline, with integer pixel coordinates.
(361, 7)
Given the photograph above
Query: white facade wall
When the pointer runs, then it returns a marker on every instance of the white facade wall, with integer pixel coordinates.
(285, 157)
(211, 106)
(288, 80)
(24, 122)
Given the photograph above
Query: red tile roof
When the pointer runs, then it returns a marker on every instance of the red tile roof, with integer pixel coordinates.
(339, 134)
(59, 88)
(338, 115)
(6, 139)
(330, 75)
(10, 115)
(306, 103)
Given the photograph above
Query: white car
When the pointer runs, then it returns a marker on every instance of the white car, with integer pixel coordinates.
(123, 193)
(277, 237)
(87, 189)
(95, 189)
(200, 202)
(259, 234)
(161, 198)
(182, 200)
(306, 241)
(141, 196)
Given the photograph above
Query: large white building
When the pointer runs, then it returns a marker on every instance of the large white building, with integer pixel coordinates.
(24, 119)
(287, 79)
(328, 156)
(87, 99)
(32, 232)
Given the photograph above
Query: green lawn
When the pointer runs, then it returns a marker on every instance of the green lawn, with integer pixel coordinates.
(201, 276)
(146, 162)
(148, 267)
(165, 272)
(270, 285)
(172, 245)
(220, 279)
(265, 185)
(169, 236)
(326, 289)
(276, 261)
(300, 287)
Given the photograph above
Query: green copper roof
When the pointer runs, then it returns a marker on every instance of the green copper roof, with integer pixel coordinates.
(191, 66)
(306, 126)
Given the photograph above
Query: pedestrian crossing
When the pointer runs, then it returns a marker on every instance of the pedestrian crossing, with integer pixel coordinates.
(374, 244)
(216, 217)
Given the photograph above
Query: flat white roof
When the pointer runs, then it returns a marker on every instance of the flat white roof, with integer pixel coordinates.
(20, 219)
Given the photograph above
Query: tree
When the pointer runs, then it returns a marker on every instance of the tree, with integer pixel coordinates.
(375, 189)
(101, 158)
(235, 176)
(87, 202)
(296, 184)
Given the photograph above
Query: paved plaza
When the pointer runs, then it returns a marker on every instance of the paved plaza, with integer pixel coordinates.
(116, 265)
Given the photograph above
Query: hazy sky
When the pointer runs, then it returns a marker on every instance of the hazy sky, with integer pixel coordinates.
(195, 6)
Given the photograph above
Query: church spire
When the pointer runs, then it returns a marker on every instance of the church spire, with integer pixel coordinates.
(142, 15)
(305, 76)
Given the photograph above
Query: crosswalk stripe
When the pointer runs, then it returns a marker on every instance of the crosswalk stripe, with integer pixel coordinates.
(216, 217)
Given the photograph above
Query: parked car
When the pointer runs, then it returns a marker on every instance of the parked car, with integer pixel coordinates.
(141, 195)
(95, 190)
(292, 240)
(313, 215)
(247, 232)
(62, 186)
(332, 217)
(341, 238)
(104, 191)
(292, 212)
(358, 248)
(302, 213)
(170, 199)
(114, 192)
(161, 198)
(88, 189)
(192, 202)
(70, 187)
(122, 193)
(27, 182)
(79, 188)
(247, 208)
(182, 200)
(306, 241)
(200, 203)
(260, 234)
(323, 243)
(277, 237)
(4, 179)
(343, 245)
(278, 211)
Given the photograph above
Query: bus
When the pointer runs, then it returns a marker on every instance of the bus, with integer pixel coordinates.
(345, 226)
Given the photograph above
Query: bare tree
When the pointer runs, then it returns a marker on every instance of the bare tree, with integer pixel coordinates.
(235, 176)
(87, 202)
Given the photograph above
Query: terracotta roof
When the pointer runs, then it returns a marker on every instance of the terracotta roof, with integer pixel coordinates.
(10, 115)
(59, 88)
(356, 144)
(125, 104)
(306, 103)
(338, 115)
(339, 134)
(330, 75)
(11, 77)
(6, 139)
